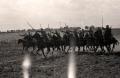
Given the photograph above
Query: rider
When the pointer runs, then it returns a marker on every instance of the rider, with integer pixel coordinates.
(91, 33)
(57, 34)
(28, 37)
(44, 34)
(36, 35)
(108, 33)
(82, 32)
(98, 35)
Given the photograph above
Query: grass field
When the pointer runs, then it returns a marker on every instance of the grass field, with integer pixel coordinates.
(88, 65)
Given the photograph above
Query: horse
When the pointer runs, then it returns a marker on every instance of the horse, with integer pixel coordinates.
(108, 37)
(89, 41)
(110, 45)
(40, 43)
(68, 40)
(26, 44)
(99, 40)
(80, 41)
(114, 42)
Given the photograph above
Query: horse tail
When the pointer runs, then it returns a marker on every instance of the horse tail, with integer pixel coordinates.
(117, 42)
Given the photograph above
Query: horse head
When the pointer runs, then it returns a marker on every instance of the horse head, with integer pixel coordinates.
(20, 41)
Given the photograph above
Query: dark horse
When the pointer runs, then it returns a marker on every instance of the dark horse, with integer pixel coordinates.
(41, 43)
(110, 40)
(81, 42)
(114, 42)
(99, 40)
(110, 45)
(26, 44)
(66, 40)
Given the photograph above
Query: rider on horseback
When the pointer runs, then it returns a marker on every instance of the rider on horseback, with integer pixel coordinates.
(109, 39)
(36, 35)
(28, 37)
(99, 39)
(98, 36)
(43, 34)
(108, 33)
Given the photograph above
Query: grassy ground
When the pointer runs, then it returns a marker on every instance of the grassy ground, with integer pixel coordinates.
(88, 65)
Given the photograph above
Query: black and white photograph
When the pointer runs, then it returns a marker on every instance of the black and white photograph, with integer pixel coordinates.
(59, 38)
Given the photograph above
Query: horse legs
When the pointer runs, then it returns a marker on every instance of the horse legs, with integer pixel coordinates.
(74, 47)
(102, 48)
(62, 48)
(96, 48)
(58, 48)
(33, 47)
(83, 48)
(87, 47)
(78, 48)
(113, 47)
(93, 47)
(43, 53)
(108, 48)
(33, 50)
(68, 48)
(38, 51)
(53, 49)
(48, 50)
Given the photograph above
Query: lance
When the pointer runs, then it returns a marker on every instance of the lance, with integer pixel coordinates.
(30, 25)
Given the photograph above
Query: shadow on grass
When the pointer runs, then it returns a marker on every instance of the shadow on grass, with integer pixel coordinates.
(54, 57)
(117, 53)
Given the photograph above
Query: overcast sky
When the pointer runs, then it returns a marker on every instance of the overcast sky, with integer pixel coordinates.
(15, 13)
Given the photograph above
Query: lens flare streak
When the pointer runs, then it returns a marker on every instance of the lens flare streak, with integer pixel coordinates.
(26, 66)
(71, 67)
